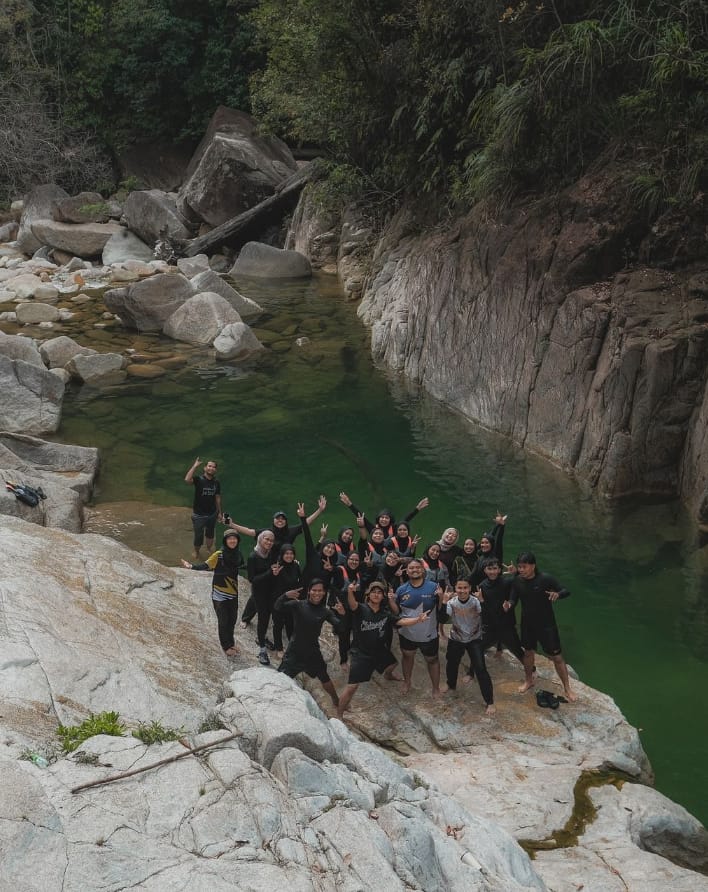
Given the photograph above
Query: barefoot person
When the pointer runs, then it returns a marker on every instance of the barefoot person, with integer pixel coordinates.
(206, 507)
(415, 597)
(466, 637)
(370, 652)
(224, 587)
(537, 593)
(303, 653)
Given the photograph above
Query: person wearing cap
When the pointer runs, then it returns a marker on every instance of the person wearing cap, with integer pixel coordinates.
(370, 652)
(224, 587)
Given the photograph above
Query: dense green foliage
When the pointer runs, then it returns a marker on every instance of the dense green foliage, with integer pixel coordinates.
(461, 99)
(471, 97)
(72, 736)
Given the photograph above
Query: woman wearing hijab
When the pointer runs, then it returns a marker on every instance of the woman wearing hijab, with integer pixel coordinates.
(288, 580)
(384, 518)
(402, 542)
(261, 571)
(449, 549)
(225, 564)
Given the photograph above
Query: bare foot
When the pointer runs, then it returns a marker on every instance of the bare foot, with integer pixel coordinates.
(466, 679)
(344, 667)
(490, 710)
(392, 676)
(526, 686)
(243, 625)
(278, 654)
(195, 553)
(439, 692)
(405, 687)
(231, 651)
(569, 695)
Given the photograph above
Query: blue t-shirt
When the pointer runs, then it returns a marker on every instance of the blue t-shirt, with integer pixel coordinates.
(414, 600)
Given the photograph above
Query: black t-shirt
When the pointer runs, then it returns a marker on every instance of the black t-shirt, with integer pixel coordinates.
(369, 628)
(535, 606)
(205, 493)
(308, 620)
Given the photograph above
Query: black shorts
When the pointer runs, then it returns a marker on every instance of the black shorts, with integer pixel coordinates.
(203, 524)
(427, 648)
(362, 666)
(312, 664)
(547, 636)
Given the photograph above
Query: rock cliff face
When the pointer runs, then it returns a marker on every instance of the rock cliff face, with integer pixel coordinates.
(535, 325)
(293, 799)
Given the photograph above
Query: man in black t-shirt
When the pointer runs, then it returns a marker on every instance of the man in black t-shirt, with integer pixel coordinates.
(206, 508)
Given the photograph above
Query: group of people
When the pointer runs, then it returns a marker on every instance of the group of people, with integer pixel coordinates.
(368, 583)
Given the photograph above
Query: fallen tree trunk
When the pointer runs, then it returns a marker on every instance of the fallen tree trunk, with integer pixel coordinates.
(262, 212)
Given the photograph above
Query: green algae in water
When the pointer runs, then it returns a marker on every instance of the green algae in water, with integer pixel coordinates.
(323, 419)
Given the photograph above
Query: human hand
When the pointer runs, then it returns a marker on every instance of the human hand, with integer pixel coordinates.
(322, 503)
(423, 503)
(479, 596)
(293, 593)
(506, 606)
(323, 530)
(345, 500)
(338, 607)
(360, 520)
(300, 509)
(500, 518)
(553, 596)
(276, 568)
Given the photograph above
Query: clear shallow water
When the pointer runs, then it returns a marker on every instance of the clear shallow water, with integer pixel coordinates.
(300, 422)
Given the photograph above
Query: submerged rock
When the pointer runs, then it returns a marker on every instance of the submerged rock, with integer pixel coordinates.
(200, 319)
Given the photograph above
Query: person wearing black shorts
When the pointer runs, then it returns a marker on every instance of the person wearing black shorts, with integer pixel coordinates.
(370, 652)
(303, 653)
(537, 593)
(206, 507)
(415, 598)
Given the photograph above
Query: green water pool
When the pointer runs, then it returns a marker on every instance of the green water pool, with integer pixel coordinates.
(322, 418)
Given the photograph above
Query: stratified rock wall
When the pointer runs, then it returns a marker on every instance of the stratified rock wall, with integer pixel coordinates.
(534, 326)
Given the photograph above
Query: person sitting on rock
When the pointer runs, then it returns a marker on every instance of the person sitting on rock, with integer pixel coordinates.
(224, 587)
(303, 653)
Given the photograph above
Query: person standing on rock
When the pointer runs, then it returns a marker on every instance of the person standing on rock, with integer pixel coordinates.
(303, 653)
(206, 508)
(537, 593)
(224, 587)
(419, 596)
(466, 637)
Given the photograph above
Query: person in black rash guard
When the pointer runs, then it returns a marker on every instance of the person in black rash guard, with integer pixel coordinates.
(498, 624)
(206, 508)
(262, 569)
(303, 653)
(345, 575)
(491, 545)
(282, 534)
(372, 623)
(384, 518)
(393, 570)
(224, 587)
(537, 593)
(289, 579)
(345, 541)
(402, 542)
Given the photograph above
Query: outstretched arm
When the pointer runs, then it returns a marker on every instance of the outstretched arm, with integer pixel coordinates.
(245, 531)
(345, 500)
(321, 505)
(189, 476)
(423, 503)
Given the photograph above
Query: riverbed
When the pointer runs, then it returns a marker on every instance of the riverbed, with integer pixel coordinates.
(320, 418)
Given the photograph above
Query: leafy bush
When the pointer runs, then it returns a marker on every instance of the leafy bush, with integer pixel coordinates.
(154, 732)
(72, 736)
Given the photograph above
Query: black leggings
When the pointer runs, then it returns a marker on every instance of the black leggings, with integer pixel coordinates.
(226, 615)
(264, 606)
(455, 652)
(505, 635)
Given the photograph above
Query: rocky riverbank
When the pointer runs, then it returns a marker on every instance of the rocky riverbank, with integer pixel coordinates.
(296, 797)
(565, 324)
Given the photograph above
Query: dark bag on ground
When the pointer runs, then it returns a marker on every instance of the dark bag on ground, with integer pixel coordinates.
(27, 494)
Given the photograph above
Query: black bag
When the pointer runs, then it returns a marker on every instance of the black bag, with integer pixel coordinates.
(27, 494)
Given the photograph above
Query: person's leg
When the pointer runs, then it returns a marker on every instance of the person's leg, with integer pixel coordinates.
(346, 698)
(562, 670)
(512, 642)
(455, 650)
(332, 691)
(433, 664)
(529, 661)
(263, 605)
(210, 526)
(226, 620)
(407, 659)
(474, 649)
(198, 537)
(249, 611)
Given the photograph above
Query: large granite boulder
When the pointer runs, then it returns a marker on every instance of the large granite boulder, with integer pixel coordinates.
(31, 398)
(81, 239)
(66, 474)
(38, 205)
(200, 319)
(208, 280)
(124, 245)
(8, 231)
(56, 352)
(152, 214)
(264, 261)
(34, 312)
(16, 347)
(233, 169)
(90, 368)
(23, 285)
(148, 304)
(237, 341)
(86, 207)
